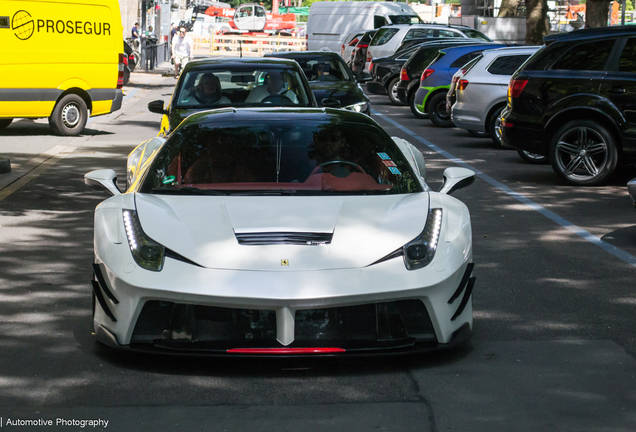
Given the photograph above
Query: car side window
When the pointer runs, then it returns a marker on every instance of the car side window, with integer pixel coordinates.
(383, 36)
(465, 59)
(627, 61)
(448, 33)
(590, 56)
(507, 65)
(419, 34)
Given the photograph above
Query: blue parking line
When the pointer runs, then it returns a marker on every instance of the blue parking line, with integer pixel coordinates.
(619, 253)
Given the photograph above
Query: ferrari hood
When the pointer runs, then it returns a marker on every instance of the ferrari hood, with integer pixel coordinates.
(283, 233)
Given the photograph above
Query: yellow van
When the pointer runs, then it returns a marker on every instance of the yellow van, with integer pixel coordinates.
(61, 60)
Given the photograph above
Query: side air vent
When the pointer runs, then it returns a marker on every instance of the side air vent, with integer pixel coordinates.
(284, 238)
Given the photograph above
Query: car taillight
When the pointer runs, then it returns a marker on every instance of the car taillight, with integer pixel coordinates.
(353, 42)
(403, 75)
(371, 66)
(516, 86)
(462, 84)
(369, 56)
(120, 73)
(125, 60)
(342, 47)
(363, 46)
(427, 73)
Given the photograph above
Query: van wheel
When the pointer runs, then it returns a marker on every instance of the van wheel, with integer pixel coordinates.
(5, 122)
(437, 112)
(69, 116)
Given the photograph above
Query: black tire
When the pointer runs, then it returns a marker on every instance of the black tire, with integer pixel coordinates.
(5, 122)
(478, 134)
(533, 158)
(69, 116)
(583, 153)
(416, 112)
(391, 90)
(494, 126)
(437, 112)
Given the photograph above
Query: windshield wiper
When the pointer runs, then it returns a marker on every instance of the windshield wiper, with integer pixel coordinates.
(185, 190)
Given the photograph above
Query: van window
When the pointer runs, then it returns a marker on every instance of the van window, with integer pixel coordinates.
(383, 36)
(405, 19)
(475, 34)
(379, 21)
(507, 65)
(260, 12)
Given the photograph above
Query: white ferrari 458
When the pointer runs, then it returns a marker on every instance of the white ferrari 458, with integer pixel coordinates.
(281, 232)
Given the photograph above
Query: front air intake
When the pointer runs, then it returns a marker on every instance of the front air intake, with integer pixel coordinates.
(284, 238)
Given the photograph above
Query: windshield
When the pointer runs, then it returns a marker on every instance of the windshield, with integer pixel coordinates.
(280, 157)
(474, 34)
(325, 68)
(246, 86)
(383, 36)
(405, 19)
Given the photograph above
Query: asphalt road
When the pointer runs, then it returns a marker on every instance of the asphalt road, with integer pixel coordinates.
(554, 306)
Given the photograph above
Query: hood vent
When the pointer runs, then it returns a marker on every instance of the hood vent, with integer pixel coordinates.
(284, 238)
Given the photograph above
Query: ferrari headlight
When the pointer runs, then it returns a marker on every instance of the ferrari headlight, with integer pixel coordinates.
(420, 252)
(147, 253)
(358, 107)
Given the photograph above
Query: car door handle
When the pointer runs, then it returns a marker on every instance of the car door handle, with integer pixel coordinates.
(618, 91)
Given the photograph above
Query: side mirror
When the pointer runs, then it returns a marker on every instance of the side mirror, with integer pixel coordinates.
(330, 103)
(104, 180)
(157, 107)
(363, 77)
(455, 179)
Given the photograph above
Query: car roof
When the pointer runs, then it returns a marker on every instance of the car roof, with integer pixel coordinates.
(302, 54)
(235, 115)
(516, 49)
(591, 33)
(427, 25)
(234, 61)
(466, 48)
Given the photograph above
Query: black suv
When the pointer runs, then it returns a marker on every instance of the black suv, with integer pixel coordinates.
(575, 102)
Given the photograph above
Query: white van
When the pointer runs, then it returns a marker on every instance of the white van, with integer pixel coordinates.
(329, 22)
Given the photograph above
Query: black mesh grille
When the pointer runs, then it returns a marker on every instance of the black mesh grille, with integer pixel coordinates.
(167, 321)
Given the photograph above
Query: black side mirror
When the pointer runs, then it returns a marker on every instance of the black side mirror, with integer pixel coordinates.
(330, 103)
(157, 107)
(363, 77)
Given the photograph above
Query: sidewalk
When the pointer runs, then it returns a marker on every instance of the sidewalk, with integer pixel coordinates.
(164, 68)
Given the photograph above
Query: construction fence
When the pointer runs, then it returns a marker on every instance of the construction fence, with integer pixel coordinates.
(246, 46)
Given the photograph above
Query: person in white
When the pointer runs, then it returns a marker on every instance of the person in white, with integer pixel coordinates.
(182, 48)
(275, 86)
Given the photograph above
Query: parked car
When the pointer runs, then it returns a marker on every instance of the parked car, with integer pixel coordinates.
(329, 23)
(411, 72)
(482, 91)
(387, 40)
(385, 74)
(359, 54)
(349, 44)
(282, 232)
(451, 96)
(239, 81)
(329, 78)
(132, 57)
(574, 102)
(436, 78)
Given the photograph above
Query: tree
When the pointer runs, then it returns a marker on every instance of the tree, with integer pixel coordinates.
(537, 23)
(509, 8)
(596, 13)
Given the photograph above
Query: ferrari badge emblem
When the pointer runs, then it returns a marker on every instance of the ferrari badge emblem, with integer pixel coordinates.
(284, 262)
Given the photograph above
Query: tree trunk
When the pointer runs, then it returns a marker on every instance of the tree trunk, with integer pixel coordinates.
(596, 13)
(508, 8)
(537, 24)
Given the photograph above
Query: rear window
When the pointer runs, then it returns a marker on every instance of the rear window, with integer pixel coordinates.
(422, 58)
(419, 33)
(383, 36)
(590, 56)
(405, 19)
(465, 59)
(506, 65)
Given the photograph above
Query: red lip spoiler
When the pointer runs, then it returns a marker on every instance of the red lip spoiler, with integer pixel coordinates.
(276, 351)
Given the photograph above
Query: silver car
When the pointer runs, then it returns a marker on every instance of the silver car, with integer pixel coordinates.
(389, 38)
(481, 92)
